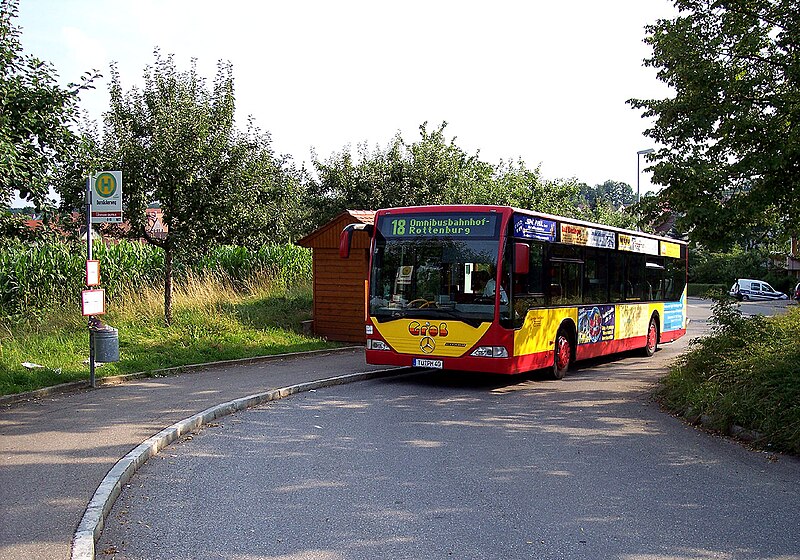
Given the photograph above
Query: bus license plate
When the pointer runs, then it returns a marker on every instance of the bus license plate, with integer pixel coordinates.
(420, 362)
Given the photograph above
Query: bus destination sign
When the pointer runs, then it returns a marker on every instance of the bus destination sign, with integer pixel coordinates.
(438, 225)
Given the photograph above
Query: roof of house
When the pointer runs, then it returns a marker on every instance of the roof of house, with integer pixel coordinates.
(328, 234)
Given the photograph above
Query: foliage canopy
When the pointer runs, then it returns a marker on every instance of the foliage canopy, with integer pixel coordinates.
(730, 134)
(35, 115)
(435, 170)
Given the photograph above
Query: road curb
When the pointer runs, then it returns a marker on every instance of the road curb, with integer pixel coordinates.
(98, 509)
(63, 388)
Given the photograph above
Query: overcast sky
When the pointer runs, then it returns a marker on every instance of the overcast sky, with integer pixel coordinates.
(542, 81)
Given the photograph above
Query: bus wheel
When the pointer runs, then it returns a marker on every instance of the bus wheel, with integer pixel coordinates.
(562, 354)
(652, 338)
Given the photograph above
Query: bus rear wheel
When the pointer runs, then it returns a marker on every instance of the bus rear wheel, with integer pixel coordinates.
(562, 355)
(651, 345)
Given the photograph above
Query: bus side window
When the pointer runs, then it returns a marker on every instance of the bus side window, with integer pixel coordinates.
(616, 278)
(654, 275)
(528, 291)
(565, 282)
(595, 277)
(636, 286)
(676, 275)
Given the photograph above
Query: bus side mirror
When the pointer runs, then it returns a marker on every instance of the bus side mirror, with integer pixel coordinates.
(346, 237)
(522, 256)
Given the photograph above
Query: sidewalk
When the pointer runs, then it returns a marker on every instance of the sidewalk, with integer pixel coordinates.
(54, 452)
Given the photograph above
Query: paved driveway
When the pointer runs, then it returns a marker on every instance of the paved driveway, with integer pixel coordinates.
(54, 452)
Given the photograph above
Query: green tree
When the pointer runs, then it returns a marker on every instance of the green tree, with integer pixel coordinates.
(176, 143)
(615, 194)
(431, 170)
(35, 115)
(514, 184)
(708, 267)
(368, 181)
(609, 203)
(267, 193)
(440, 172)
(730, 135)
(171, 139)
(13, 227)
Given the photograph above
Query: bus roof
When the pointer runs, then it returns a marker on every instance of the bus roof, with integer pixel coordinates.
(508, 210)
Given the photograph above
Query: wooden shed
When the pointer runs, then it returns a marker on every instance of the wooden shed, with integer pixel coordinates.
(340, 285)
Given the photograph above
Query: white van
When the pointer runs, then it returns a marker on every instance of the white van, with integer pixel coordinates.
(747, 289)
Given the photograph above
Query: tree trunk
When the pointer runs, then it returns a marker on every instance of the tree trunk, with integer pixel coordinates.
(168, 286)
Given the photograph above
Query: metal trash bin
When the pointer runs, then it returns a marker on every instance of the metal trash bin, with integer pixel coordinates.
(106, 344)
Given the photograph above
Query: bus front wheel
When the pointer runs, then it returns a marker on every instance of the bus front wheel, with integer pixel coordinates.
(563, 354)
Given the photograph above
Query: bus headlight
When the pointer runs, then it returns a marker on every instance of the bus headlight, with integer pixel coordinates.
(490, 352)
(377, 345)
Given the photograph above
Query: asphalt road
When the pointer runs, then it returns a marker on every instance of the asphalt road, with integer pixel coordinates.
(449, 465)
(762, 307)
(55, 451)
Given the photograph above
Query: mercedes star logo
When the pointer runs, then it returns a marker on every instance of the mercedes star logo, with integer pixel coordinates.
(427, 344)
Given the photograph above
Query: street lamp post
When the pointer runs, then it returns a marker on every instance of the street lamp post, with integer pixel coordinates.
(638, 159)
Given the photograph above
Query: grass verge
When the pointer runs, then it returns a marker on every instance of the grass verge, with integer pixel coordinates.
(745, 373)
(212, 321)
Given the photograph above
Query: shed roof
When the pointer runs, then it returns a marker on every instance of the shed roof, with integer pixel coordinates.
(321, 237)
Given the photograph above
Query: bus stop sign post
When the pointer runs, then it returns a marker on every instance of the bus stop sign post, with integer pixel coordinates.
(92, 381)
(105, 207)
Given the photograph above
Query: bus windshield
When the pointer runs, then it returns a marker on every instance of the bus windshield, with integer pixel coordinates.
(434, 278)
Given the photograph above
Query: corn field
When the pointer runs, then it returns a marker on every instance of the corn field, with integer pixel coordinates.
(286, 264)
(46, 274)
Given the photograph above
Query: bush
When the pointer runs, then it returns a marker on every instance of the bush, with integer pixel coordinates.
(745, 373)
(703, 290)
(715, 268)
(708, 268)
(782, 282)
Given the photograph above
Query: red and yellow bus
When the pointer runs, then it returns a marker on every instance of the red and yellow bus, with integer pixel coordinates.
(503, 290)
